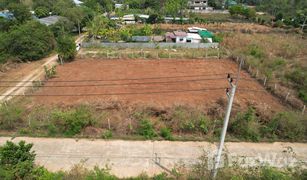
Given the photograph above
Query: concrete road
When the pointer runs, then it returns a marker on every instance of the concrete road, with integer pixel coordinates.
(130, 158)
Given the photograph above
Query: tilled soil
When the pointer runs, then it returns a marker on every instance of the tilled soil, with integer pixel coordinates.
(155, 82)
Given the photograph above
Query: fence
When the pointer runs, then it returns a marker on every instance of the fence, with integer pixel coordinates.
(284, 94)
(151, 45)
(153, 54)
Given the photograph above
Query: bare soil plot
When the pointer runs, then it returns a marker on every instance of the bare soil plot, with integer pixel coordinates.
(151, 82)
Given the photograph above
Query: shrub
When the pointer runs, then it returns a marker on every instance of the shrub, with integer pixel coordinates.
(146, 129)
(166, 133)
(73, 121)
(217, 38)
(10, 115)
(287, 125)
(50, 73)
(246, 126)
(256, 51)
(16, 160)
(107, 134)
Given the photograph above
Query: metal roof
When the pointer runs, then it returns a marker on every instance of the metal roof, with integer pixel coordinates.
(49, 20)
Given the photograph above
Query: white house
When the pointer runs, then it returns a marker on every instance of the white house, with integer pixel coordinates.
(193, 38)
(198, 4)
(181, 37)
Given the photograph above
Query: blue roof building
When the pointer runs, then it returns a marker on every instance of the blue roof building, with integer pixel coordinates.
(6, 15)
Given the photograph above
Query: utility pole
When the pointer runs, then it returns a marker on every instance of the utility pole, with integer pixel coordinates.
(230, 96)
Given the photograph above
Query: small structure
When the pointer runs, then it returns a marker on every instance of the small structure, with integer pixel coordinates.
(50, 20)
(206, 35)
(181, 36)
(198, 4)
(196, 29)
(141, 38)
(193, 38)
(129, 19)
(170, 37)
(78, 3)
(6, 14)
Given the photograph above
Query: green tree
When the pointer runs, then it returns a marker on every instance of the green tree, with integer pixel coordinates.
(16, 160)
(66, 48)
(41, 11)
(21, 12)
(30, 41)
(62, 27)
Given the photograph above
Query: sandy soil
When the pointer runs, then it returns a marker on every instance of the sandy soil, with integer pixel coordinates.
(159, 82)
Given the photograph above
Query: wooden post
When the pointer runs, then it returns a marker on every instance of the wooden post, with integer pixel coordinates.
(287, 96)
(303, 111)
(109, 125)
(257, 73)
(249, 68)
(275, 86)
(264, 82)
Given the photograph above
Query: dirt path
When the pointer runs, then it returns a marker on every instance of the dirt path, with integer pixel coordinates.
(130, 158)
(34, 72)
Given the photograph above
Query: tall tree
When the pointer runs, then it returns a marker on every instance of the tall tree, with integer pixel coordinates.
(21, 12)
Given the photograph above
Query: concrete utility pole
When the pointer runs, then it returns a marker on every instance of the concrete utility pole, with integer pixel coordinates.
(226, 119)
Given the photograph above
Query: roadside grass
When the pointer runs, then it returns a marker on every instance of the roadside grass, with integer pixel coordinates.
(182, 123)
(278, 57)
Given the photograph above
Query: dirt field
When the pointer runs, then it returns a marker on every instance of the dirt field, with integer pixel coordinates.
(151, 82)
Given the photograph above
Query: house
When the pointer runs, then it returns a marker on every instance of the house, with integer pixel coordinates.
(196, 29)
(193, 38)
(181, 36)
(78, 3)
(197, 5)
(50, 20)
(6, 14)
(206, 35)
(118, 6)
(141, 38)
(129, 19)
(176, 36)
(170, 37)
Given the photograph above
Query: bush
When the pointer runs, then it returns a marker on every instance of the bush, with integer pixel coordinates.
(73, 121)
(166, 133)
(217, 38)
(107, 134)
(30, 41)
(287, 125)
(256, 51)
(246, 126)
(10, 116)
(146, 129)
(16, 160)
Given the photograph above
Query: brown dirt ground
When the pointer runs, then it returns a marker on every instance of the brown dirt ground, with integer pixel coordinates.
(112, 70)
(17, 71)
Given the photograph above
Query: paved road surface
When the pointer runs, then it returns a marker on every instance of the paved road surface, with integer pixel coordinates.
(130, 158)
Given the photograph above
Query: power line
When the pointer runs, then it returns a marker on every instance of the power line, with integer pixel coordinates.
(116, 84)
(132, 93)
(124, 79)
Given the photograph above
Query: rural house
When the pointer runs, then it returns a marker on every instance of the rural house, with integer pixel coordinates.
(198, 5)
